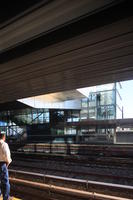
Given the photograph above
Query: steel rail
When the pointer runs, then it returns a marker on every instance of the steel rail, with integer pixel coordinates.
(74, 184)
(64, 169)
(67, 192)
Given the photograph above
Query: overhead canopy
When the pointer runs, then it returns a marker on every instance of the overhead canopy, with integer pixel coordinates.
(66, 58)
(61, 100)
(59, 96)
(43, 17)
(12, 106)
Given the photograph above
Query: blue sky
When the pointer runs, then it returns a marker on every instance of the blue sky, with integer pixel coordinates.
(127, 98)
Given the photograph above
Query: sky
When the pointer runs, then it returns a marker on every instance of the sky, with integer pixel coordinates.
(127, 98)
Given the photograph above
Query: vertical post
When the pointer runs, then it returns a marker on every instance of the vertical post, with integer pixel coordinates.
(115, 113)
(77, 139)
(115, 100)
(114, 135)
(122, 113)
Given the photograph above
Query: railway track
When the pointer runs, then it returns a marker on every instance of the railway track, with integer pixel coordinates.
(69, 168)
(33, 186)
(79, 149)
(102, 160)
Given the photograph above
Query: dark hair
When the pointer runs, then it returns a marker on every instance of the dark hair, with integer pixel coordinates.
(2, 135)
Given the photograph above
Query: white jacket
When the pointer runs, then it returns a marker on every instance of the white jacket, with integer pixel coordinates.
(5, 155)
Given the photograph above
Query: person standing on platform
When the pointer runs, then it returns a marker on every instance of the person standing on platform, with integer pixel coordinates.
(5, 160)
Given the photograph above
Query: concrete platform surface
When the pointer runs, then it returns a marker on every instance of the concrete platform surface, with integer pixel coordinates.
(11, 198)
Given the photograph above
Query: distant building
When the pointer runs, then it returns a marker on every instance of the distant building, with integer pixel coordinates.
(103, 102)
(42, 119)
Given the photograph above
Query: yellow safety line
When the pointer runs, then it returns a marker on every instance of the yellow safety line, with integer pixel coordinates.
(13, 198)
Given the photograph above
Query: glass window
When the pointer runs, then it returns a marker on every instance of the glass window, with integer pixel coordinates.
(92, 100)
(84, 103)
(92, 113)
(46, 116)
(71, 131)
(107, 98)
(75, 116)
(106, 112)
(40, 118)
(111, 112)
(84, 114)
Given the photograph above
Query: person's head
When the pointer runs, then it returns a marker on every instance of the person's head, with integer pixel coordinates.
(2, 136)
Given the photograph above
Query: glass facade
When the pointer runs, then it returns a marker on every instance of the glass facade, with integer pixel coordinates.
(102, 103)
(99, 104)
(12, 121)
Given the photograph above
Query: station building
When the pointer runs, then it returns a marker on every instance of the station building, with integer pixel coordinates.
(45, 118)
(48, 53)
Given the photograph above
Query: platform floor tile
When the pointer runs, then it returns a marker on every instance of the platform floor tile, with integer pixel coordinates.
(11, 198)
